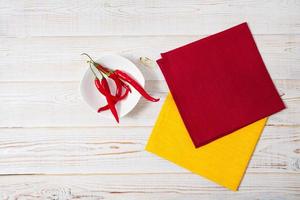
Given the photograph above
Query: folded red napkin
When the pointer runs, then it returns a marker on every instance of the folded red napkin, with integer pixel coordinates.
(220, 84)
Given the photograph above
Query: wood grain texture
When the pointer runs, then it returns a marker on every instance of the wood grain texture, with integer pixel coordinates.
(117, 150)
(53, 147)
(154, 17)
(271, 186)
(58, 104)
(58, 58)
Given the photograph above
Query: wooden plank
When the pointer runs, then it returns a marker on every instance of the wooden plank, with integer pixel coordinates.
(147, 186)
(58, 58)
(58, 104)
(80, 18)
(117, 150)
(46, 129)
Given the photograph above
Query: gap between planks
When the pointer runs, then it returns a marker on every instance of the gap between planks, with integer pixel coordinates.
(201, 36)
(132, 174)
(121, 127)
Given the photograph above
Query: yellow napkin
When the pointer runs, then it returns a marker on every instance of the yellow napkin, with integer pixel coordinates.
(223, 161)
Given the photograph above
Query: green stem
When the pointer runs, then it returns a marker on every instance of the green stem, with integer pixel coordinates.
(94, 71)
(85, 54)
(94, 63)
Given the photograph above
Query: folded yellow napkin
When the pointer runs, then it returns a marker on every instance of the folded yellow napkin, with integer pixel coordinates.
(223, 161)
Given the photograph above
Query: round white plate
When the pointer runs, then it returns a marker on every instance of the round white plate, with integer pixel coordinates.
(96, 100)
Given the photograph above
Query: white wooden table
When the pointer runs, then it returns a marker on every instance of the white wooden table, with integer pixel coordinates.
(53, 147)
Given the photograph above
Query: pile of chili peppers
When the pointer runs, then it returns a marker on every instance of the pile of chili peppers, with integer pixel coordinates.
(122, 80)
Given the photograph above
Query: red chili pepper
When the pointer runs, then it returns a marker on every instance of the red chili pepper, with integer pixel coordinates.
(103, 69)
(103, 108)
(119, 88)
(125, 77)
(116, 100)
(120, 78)
(100, 89)
(108, 72)
(109, 98)
(103, 87)
(118, 74)
(119, 91)
(120, 84)
(118, 97)
(127, 90)
(112, 75)
(99, 86)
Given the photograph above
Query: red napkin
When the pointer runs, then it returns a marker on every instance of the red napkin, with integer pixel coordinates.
(220, 84)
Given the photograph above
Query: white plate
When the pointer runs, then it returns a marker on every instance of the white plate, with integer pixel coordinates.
(96, 100)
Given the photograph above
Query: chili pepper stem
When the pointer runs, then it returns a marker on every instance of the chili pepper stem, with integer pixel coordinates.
(108, 72)
(96, 64)
(95, 72)
(85, 54)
